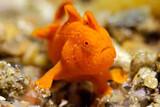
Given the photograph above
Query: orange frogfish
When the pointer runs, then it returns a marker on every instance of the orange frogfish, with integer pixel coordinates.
(79, 48)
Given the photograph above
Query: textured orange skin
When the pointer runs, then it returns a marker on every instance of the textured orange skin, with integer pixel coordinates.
(80, 49)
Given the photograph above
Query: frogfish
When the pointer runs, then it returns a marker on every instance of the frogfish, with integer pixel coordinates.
(80, 49)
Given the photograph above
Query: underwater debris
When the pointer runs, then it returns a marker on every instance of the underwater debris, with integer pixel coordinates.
(13, 82)
(79, 94)
(141, 59)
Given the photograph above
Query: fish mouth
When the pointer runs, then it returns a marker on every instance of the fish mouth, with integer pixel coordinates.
(104, 49)
(108, 51)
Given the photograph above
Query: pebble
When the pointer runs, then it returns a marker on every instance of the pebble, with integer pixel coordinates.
(123, 58)
(146, 71)
(157, 99)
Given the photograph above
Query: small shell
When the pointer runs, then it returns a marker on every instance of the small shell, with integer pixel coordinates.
(116, 97)
(135, 105)
(150, 82)
(154, 105)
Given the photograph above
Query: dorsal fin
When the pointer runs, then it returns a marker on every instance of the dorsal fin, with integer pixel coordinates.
(46, 32)
(61, 11)
(90, 20)
(72, 13)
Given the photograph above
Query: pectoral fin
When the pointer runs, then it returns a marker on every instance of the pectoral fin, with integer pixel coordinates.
(46, 81)
(101, 86)
(118, 75)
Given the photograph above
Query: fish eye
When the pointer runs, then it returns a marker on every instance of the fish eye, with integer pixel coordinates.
(86, 43)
